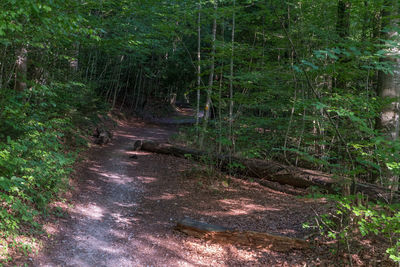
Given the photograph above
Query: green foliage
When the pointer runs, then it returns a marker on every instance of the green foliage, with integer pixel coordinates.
(40, 132)
(34, 162)
(304, 93)
(42, 127)
(354, 219)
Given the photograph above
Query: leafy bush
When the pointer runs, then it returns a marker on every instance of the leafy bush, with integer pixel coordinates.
(40, 135)
(355, 219)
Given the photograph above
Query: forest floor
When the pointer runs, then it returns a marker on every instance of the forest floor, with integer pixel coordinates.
(122, 211)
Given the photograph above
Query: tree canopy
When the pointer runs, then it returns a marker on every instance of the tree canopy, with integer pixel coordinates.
(313, 84)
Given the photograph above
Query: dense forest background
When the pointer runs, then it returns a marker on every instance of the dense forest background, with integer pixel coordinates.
(314, 84)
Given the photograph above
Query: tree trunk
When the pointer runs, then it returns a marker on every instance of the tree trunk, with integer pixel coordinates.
(126, 90)
(221, 78)
(198, 67)
(231, 79)
(221, 234)
(342, 30)
(139, 89)
(273, 171)
(73, 62)
(343, 19)
(389, 83)
(210, 79)
(21, 69)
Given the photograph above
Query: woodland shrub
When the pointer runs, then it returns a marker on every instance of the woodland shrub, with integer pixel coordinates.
(355, 219)
(41, 133)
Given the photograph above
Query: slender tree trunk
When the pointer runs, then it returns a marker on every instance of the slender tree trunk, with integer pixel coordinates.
(135, 85)
(73, 62)
(139, 88)
(342, 30)
(2, 67)
(221, 75)
(21, 69)
(93, 69)
(231, 103)
(198, 67)
(210, 79)
(88, 66)
(117, 85)
(145, 93)
(343, 19)
(126, 90)
(389, 83)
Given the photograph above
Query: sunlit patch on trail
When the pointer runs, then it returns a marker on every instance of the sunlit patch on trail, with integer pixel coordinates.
(121, 220)
(118, 234)
(92, 211)
(206, 249)
(114, 177)
(51, 229)
(287, 232)
(146, 180)
(243, 206)
(167, 196)
(126, 205)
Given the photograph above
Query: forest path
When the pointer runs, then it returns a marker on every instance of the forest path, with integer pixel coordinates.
(122, 211)
(102, 228)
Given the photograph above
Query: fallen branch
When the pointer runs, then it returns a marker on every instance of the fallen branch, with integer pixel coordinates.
(221, 234)
(274, 171)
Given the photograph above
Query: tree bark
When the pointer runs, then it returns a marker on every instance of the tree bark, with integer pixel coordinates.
(74, 61)
(389, 83)
(21, 69)
(274, 171)
(343, 19)
(342, 30)
(210, 79)
(247, 238)
(231, 77)
(198, 66)
(221, 79)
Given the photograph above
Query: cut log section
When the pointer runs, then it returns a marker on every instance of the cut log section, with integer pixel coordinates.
(221, 234)
(135, 146)
(102, 136)
(274, 171)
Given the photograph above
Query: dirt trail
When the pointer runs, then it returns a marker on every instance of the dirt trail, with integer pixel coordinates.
(102, 229)
(124, 210)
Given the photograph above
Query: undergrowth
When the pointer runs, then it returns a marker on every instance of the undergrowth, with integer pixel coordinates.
(358, 225)
(355, 221)
(42, 131)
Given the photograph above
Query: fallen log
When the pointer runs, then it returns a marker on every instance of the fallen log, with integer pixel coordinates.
(274, 171)
(264, 169)
(221, 234)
